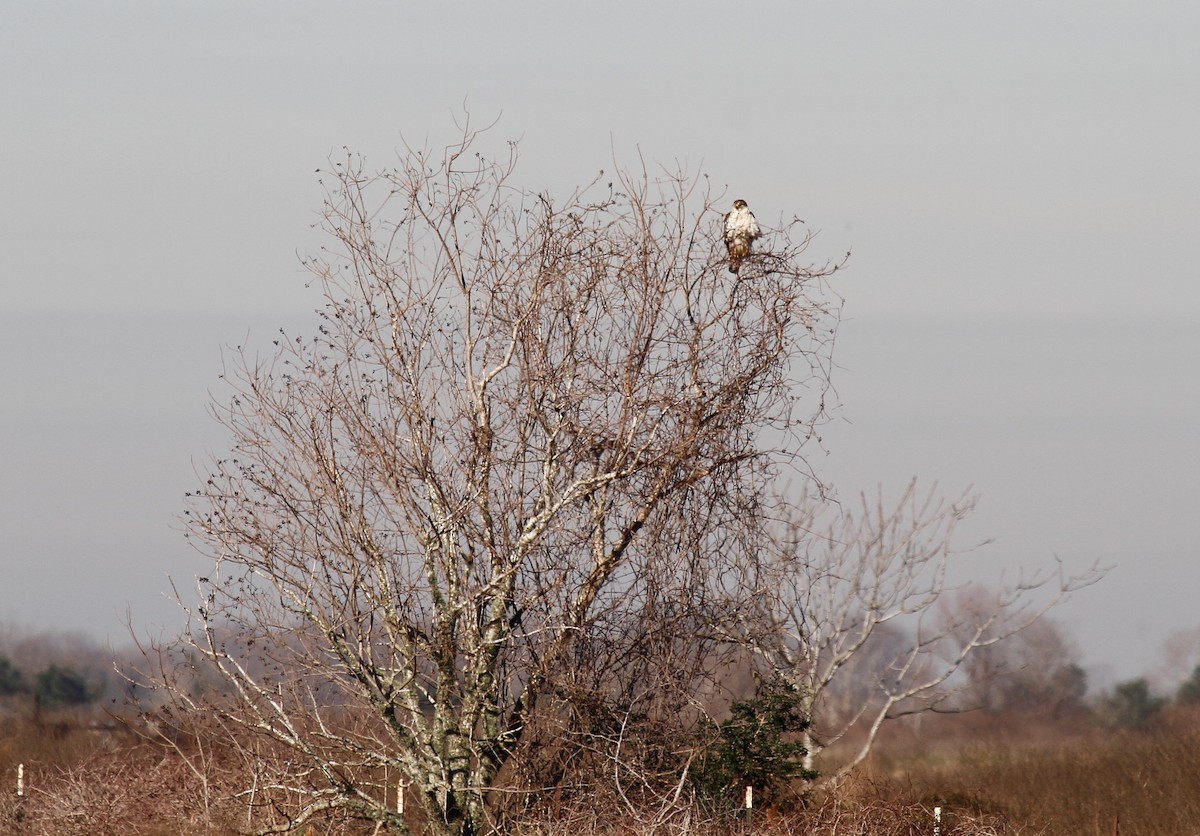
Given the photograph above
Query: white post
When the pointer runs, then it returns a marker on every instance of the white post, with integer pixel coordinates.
(20, 780)
(400, 797)
(937, 820)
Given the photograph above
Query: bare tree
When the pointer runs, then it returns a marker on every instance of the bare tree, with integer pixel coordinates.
(1180, 660)
(1035, 672)
(849, 605)
(523, 423)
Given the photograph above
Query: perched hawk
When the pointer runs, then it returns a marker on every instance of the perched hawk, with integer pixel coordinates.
(740, 231)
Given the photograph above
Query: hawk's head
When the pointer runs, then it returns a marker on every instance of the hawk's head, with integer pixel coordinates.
(739, 204)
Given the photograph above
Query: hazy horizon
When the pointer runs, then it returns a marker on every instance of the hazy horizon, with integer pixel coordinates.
(109, 427)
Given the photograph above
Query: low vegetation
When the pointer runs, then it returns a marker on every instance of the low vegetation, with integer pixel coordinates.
(1058, 780)
(89, 769)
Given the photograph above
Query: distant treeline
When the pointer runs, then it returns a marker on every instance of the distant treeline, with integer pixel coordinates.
(59, 670)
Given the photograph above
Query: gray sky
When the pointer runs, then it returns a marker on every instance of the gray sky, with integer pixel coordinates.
(1018, 181)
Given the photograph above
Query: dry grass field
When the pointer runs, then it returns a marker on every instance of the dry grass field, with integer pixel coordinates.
(85, 774)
